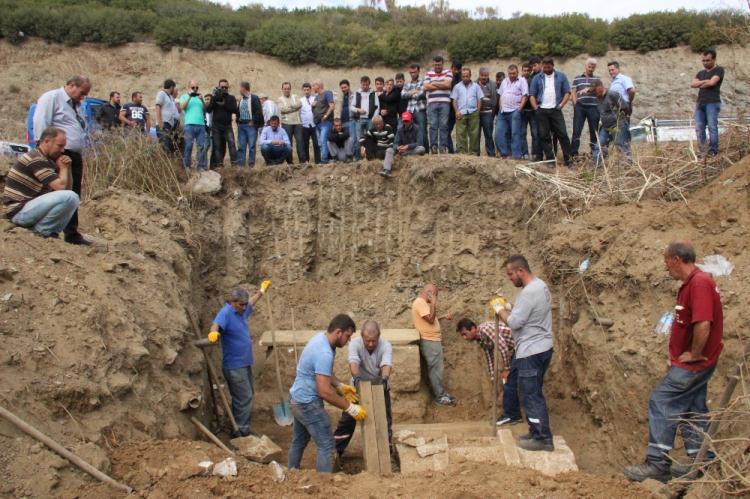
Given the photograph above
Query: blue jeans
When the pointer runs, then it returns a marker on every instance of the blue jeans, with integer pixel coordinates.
(352, 126)
(311, 420)
(322, 130)
(528, 119)
(197, 133)
(581, 115)
(621, 137)
(275, 154)
(508, 138)
(363, 124)
(707, 115)
(247, 135)
(437, 117)
(511, 403)
(679, 399)
(49, 213)
(530, 376)
(240, 383)
(420, 119)
(486, 121)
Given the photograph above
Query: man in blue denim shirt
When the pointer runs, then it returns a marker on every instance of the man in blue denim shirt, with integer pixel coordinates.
(230, 325)
(316, 383)
(549, 93)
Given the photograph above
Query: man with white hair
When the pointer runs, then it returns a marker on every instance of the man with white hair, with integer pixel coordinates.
(585, 107)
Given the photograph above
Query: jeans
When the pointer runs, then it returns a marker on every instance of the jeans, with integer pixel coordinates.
(275, 154)
(307, 134)
(552, 121)
(322, 130)
(707, 115)
(247, 135)
(363, 124)
(49, 213)
(222, 137)
(76, 171)
(351, 126)
(343, 153)
(197, 133)
(167, 136)
(529, 119)
(511, 402)
(619, 135)
(530, 375)
(467, 134)
(432, 352)
(678, 400)
(347, 424)
(391, 153)
(486, 121)
(311, 420)
(581, 115)
(437, 117)
(420, 119)
(240, 383)
(509, 126)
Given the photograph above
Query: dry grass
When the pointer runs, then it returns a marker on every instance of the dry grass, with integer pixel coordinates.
(667, 171)
(137, 163)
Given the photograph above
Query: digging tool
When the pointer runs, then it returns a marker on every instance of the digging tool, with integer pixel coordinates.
(496, 304)
(73, 458)
(282, 413)
(213, 377)
(213, 438)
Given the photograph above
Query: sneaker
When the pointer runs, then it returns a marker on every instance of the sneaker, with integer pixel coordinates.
(503, 421)
(453, 399)
(77, 238)
(537, 445)
(445, 400)
(641, 472)
(433, 150)
(385, 173)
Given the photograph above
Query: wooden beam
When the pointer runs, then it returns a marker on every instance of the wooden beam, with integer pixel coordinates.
(369, 432)
(381, 430)
(287, 338)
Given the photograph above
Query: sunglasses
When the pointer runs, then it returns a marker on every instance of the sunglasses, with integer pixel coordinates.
(193, 88)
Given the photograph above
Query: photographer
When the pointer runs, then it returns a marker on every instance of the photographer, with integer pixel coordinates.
(193, 108)
(222, 106)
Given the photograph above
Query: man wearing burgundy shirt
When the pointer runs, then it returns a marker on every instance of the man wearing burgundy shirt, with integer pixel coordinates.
(695, 343)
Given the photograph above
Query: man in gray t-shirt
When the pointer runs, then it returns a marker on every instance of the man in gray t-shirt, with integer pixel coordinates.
(531, 323)
(370, 359)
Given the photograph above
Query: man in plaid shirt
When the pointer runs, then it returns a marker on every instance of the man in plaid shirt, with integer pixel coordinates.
(483, 334)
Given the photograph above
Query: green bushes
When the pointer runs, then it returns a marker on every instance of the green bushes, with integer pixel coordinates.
(363, 36)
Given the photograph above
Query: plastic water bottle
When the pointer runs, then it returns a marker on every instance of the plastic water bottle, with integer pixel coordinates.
(278, 471)
(668, 323)
(660, 326)
(584, 266)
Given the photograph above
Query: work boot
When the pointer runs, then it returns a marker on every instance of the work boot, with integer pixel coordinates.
(77, 238)
(385, 173)
(641, 472)
(526, 436)
(506, 421)
(445, 400)
(533, 444)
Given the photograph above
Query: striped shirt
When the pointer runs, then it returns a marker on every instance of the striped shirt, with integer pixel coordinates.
(29, 178)
(439, 96)
(383, 138)
(417, 101)
(584, 88)
(505, 347)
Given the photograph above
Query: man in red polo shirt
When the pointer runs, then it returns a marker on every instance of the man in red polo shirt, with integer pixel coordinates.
(694, 347)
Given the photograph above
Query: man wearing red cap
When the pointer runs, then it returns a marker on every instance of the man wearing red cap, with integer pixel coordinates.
(407, 143)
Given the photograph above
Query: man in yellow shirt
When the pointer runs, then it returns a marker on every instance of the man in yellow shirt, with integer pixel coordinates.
(426, 321)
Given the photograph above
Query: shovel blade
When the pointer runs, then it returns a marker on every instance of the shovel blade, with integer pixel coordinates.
(282, 413)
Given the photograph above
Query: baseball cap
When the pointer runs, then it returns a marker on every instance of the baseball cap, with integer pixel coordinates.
(406, 116)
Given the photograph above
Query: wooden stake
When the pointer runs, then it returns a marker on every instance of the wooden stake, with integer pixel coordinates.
(211, 436)
(83, 465)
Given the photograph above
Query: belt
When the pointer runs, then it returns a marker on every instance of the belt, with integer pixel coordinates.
(243, 122)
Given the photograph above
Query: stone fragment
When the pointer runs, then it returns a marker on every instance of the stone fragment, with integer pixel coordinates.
(261, 450)
(435, 447)
(209, 182)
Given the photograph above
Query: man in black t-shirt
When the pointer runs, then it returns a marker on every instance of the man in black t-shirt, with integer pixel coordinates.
(134, 114)
(707, 108)
(108, 115)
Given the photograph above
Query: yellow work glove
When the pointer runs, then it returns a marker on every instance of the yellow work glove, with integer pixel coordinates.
(213, 336)
(499, 303)
(265, 285)
(348, 392)
(357, 412)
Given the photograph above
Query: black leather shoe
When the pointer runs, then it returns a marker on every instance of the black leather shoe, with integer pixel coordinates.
(77, 238)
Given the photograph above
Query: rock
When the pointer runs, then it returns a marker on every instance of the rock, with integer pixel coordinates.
(208, 182)
(227, 467)
(402, 435)
(6, 297)
(414, 441)
(656, 487)
(435, 447)
(108, 267)
(261, 450)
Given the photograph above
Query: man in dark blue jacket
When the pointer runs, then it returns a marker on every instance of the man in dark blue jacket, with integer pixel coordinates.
(549, 93)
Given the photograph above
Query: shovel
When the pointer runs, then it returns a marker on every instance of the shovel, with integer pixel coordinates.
(282, 413)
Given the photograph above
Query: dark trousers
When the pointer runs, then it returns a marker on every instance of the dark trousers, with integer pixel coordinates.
(76, 169)
(581, 115)
(347, 424)
(486, 126)
(451, 126)
(552, 122)
(240, 383)
(294, 132)
(222, 137)
(307, 134)
(372, 151)
(678, 401)
(168, 139)
(525, 384)
(530, 120)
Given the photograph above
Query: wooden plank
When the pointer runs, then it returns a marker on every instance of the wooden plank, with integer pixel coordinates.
(453, 430)
(369, 435)
(286, 338)
(381, 429)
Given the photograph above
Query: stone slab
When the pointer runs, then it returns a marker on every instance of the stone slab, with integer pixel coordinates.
(258, 449)
(411, 462)
(452, 430)
(286, 338)
(496, 450)
(561, 460)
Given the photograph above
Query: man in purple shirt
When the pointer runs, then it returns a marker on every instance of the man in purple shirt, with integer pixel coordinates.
(513, 92)
(274, 142)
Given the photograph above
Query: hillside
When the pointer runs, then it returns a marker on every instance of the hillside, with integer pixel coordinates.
(662, 77)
